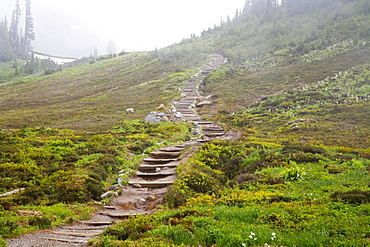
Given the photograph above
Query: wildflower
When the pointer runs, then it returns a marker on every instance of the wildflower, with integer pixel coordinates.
(273, 236)
(243, 244)
(252, 235)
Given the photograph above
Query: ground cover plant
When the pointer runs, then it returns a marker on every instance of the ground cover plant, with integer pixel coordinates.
(93, 96)
(284, 195)
(60, 168)
(299, 176)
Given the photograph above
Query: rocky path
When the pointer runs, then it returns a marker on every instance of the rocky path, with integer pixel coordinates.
(145, 191)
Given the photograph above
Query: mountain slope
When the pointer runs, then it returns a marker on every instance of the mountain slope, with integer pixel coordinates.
(93, 96)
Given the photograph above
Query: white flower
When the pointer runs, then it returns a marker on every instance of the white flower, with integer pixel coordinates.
(243, 244)
(273, 234)
(255, 239)
(252, 233)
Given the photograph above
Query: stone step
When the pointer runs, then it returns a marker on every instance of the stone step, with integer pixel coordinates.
(98, 223)
(214, 134)
(188, 89)
(172, 148)
(154, 166)
(213, 128)
(191, 115)
(152, 184)
(75, 241)
(189, 98)
(76, 234)
(205, 123)
(182, 109)
(159, 160)
(116, 215)
(193, 118)
(161, 173)
(164, 155)
(186, 112)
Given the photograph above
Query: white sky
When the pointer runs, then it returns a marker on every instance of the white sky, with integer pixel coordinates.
(132, 24)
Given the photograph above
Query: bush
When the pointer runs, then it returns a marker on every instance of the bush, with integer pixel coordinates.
(131, 228)
(296, 147)
(353, 196)
(41, 222)
(7, 227)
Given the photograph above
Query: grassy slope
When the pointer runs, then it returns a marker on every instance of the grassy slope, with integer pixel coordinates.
(282, 185)
(271, 57)
(286, 191)
(91, 96)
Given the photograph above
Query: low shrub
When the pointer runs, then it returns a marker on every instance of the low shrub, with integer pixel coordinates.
(131, 228)
(40, 222)
(7, 227)
(353, 196)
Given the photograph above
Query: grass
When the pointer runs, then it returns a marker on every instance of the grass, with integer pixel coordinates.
(298, 177)
(318, 208)
(90, 96)
(25, 219)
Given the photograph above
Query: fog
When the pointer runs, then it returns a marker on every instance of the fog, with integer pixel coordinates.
(74, 28)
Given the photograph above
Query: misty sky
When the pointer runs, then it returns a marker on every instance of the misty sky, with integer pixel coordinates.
(75, 27)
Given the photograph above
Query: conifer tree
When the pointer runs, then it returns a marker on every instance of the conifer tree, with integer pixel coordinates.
(29, 34)
(6, 53)
(111, 49)
(13, 31)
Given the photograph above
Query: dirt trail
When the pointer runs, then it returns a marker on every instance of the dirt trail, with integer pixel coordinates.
(145, 191)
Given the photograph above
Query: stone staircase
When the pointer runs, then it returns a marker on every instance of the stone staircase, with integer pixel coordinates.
(145, 190)
(159, 169)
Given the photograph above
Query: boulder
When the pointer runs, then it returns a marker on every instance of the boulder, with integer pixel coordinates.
(207, 102)
(152, 117)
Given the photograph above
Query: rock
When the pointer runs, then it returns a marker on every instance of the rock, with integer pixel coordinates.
(151, 198)
(204, 103)
(130, 110)
(120, 180)
(304, 139)
(136, 185)
(195, 132)
(114, 187)
(109, 194)
(152, 118)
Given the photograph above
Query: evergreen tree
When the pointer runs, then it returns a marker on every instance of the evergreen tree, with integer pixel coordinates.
(13, 31)
(6, 53)
(111, 49)
(95, 51)
(29, 34)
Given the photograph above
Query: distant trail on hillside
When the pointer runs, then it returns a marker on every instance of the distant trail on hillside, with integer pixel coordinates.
(145, 191)
(23, 77)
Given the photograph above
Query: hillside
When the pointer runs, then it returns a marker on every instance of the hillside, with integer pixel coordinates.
(296, 84)
(92, 96)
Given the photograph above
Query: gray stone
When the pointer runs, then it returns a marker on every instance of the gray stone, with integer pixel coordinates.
(152, 117)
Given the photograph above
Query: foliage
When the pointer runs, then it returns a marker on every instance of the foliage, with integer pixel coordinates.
(24, 219)
(296, 83)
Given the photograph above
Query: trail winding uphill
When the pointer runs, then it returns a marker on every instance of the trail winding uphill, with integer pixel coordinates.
(145, 191)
